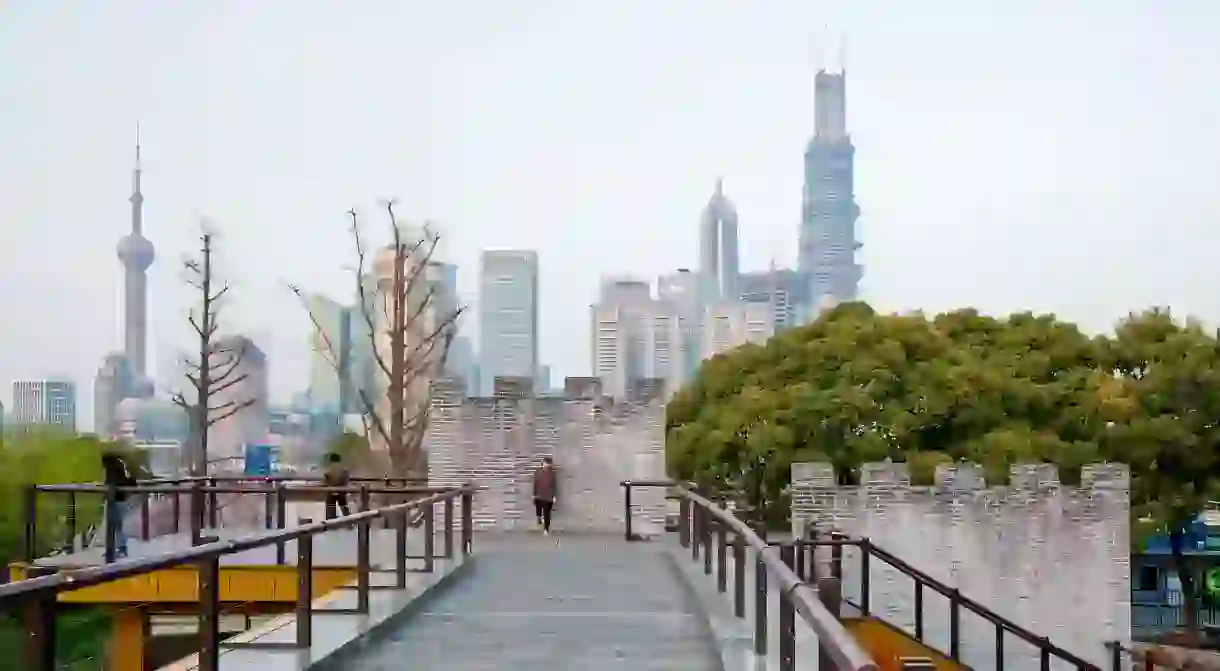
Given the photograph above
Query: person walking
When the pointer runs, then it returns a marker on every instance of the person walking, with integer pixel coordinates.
(116, 475)
(545, 489)
(336, 475)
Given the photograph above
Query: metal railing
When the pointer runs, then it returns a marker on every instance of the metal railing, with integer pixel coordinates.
(202, 503)
(34, 600)
(704, 525)
(869, 552)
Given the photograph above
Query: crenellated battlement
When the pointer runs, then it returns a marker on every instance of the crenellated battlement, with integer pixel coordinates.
(1052, 557)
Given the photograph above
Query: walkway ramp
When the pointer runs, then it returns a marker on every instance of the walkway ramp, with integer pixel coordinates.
(560, 602)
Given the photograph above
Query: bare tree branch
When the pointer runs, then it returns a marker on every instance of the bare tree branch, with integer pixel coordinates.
(216, 368)
(409, 332)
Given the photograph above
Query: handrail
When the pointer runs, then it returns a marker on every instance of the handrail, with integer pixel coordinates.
(955, 596)
(36, 596)
(842, 646)
(795, 597)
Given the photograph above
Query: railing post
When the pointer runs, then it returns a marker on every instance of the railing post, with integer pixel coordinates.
(787, 616)
(176, 510)
(836, 556)
(197, 503)
(429, 538)
(31, 524)
(281, 511)
(627, 509)
(722, 568)
(145, 522)
(760, 606)
(709, 522)
(209, 614)
(999, 647)
(918, 611)
(110, 526)
(38, 619)
(269, 507)
(739, 576)
(684, 521)
(866, 551)
(448, 533)
(365, 502)
(213, 508)
(467, 519)
(304, 609)
(363, 561)
(955, 625)
(830, 593)
(70, 546)
(400, 548)
(696, 522)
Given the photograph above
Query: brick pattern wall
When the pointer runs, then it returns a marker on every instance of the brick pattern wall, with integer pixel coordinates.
(498, 442)
(1053, 558)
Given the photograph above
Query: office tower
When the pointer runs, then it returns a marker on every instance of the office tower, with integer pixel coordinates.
(827, 245)
(637, 338)
(136, 254)
(729, 325)
(681, 290)
(783, 288)
(718, 248)
(508, 316)
(115, 381)
(45, 402)
(339, 366)
(228, 437)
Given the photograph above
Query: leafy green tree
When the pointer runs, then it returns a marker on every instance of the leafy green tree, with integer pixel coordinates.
(1165, 412)
(50, 457)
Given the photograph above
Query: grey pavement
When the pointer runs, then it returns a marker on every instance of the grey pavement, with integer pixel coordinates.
(561, 602)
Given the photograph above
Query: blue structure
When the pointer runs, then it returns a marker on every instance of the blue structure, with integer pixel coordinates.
(1156, 590)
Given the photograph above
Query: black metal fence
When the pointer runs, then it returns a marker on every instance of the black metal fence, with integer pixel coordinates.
(707, 528)
(35, 600)
(199, 497)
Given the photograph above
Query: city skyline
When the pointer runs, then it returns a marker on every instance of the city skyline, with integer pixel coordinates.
(599, 164)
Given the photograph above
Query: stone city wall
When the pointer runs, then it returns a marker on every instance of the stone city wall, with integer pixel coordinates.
(497, 443)
(1053, 558)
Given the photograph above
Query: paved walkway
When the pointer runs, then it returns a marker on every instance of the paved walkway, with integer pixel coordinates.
(554, 602)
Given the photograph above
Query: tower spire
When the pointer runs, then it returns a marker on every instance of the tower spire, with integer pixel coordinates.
(137, 197)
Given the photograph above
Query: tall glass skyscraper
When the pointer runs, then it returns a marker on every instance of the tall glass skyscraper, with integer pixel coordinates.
(508, 316)
(718, 248)
(827, 253)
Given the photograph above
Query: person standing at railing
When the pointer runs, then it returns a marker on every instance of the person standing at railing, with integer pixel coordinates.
(545, 489)
(117, 475)
(336, 475)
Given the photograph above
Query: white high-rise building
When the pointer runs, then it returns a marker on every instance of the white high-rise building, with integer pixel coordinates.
(508, 316)
(732, 324)
(46, 402)
(637, 337)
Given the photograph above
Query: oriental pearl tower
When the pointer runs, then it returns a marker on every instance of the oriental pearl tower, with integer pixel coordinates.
(136, 253)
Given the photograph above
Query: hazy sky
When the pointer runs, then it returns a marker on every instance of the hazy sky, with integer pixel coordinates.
(1047, 155)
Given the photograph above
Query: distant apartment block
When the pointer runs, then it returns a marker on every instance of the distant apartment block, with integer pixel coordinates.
(508, 316)
(729, 325)
(45, 402)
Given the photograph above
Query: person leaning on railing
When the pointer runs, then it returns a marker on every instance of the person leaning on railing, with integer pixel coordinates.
(117, 475)
(336, 475)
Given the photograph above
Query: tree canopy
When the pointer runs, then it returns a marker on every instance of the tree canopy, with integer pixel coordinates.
(858, 386)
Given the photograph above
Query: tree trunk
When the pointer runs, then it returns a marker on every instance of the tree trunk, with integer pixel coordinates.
(1184, 567)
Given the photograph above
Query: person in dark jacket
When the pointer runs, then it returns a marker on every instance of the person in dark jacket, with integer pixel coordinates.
(336, 475)
(545, 489)
(117, 475)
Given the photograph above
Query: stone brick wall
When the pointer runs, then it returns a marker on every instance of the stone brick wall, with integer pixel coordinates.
(1053, 558)
(498, 442)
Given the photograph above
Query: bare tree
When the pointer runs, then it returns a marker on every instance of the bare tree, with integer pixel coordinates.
(409, 333)
(217, 366)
